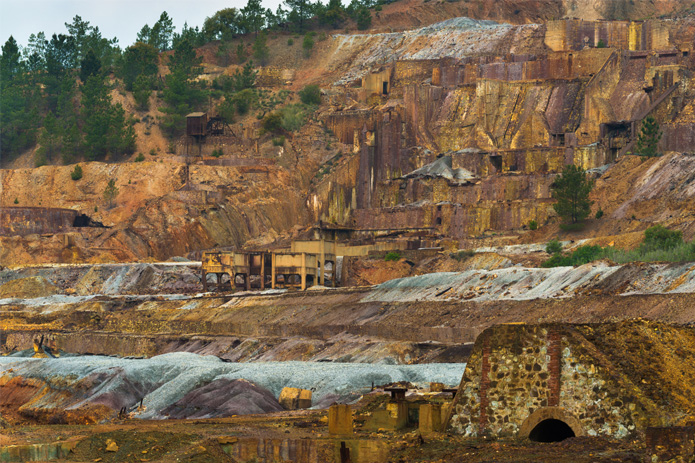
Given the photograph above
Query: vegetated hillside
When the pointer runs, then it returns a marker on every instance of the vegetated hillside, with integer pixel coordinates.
(634, 194)
(490, 112)
(408, 14)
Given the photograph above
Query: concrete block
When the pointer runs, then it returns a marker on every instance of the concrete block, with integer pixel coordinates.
(340, 420)
(294, 399)
(430, 418)
(436, 387)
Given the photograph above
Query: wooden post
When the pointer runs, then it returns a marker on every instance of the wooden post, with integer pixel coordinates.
(322, 261)
(273, 276)
(205, 281)
(262, 257)
(247, 275)
(333, 273)
(303, 271)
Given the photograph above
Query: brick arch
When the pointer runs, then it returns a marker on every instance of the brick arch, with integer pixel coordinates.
(550, 413)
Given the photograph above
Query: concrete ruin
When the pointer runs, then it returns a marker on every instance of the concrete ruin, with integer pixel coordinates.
(258, 269)
(306, 263)
(24, 221)
(550, 382)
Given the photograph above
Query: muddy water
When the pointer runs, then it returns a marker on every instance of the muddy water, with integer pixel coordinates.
(309, 450)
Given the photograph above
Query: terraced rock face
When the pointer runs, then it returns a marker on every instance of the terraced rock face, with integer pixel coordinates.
(427, 318)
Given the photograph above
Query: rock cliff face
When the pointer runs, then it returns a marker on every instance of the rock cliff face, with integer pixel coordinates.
(512, 105)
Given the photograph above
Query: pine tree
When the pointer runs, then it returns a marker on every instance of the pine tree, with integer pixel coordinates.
(252, 16)
(89, 66)
(162, 32)
(571, 190)
(138, 60)
(300, 11)
(110, 192)
(182, 94)
(260, 49)
(649, 138)
(106, 130)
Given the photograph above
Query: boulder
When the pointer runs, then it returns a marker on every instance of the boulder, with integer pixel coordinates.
(292, 398)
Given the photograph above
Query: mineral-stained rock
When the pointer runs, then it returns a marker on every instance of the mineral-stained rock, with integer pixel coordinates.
(223, 397)
(111, 445)
(292, 398)
(28, 287)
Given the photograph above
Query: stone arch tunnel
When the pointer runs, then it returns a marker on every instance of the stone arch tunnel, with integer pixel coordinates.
(551, 382)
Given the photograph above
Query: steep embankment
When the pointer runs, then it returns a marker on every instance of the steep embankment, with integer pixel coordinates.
(427, 318)
(151, 215)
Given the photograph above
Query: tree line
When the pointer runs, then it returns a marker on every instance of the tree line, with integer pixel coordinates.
(57, 90)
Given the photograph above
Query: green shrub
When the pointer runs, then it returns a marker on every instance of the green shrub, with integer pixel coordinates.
(293, 117)
(533, 225)
(40, 158)
(290, 42)
(308, 44)
(279, 141)
(76, 173)
(462, 255)
(272, 122)
(599, 213)
(217, 153)
(16, 200)
(153, 152)
(659, 245)
(392, 256)
(580, 256)
(553, 247)
(601, 44)
(140, 157)
(311, 94)
(660, 237)
(243, 100)
(572, 227)
(364, 18)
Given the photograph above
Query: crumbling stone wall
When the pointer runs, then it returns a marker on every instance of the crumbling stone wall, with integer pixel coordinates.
(518, 375)
(495, 188)
(269, 76)
(29, 220)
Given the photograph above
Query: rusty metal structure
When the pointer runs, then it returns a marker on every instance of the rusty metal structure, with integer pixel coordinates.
(196, 125)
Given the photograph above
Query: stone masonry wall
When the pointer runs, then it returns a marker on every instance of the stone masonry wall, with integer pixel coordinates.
(516, 370)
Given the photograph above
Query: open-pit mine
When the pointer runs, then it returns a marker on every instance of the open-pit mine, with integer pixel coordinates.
(393, 281)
